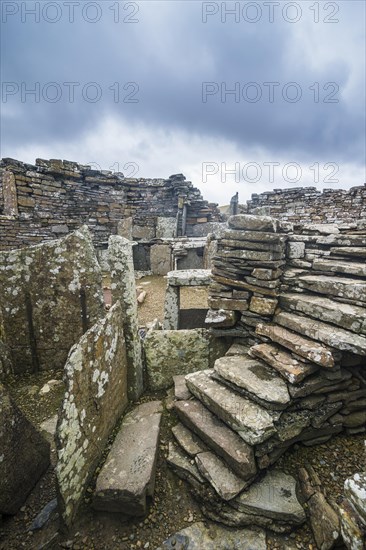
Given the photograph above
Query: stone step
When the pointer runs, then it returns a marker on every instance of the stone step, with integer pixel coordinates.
(251, 421)
(183, 467)
(273, 497)
(259, 381)
(290, 368)
(188, 441)
(346, 316)
(225, 482)
(354, 289)
(304, 347)
(218, 437)
(333, 336)
(127, 477)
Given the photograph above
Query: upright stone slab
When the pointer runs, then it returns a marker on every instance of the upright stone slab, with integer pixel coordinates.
(172, 352)
(160, 258)
(128, 475)
(95, 398)
(50, 294)
(171, 307)
(24, 455)
(123, 289)
(10, 194)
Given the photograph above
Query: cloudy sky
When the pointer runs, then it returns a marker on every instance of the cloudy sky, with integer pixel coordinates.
(239, 96)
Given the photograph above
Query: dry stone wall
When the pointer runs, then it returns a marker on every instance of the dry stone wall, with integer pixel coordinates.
(300, 298)
(50, 294)
(52, 198)
(309, 205)
(295, 303)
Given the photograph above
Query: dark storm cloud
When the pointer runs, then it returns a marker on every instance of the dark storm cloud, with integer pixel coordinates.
(169, 54)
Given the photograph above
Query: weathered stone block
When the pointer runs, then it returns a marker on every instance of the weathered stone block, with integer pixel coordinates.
(172, 352)
(263, 306)
(95, 398)
(253, 223)
(24, 455)
(221, 318)
(295, 250)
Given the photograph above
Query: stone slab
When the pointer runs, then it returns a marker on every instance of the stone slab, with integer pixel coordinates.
(189, 277)
(181, 392)
(218, 436)
(273, 497)
(255, 377)
(252, 422)
(353, 289)
(199, 536)
(290, 368)
(353, 251)
(253, 223)
(189, 442)
(221, 318)
(183, 466)
(95, 398)
(330, 335)
(347, 316)
(50, 294)
(313, 351)
(123, 288)
(24, 455)
(225, 482)
(128, 475)
(338, 266)
(255, 236)
(170, 353)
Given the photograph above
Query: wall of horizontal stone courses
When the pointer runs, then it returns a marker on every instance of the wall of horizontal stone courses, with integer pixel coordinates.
(55, 197)
(298, 298)
(308, 204)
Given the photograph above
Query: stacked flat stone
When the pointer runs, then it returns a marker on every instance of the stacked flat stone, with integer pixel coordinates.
(308, 204)
(246, 274)
(302, 381)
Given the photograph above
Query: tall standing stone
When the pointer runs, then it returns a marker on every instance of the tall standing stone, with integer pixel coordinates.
(123, 289)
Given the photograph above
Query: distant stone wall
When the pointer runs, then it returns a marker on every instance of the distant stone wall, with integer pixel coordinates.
(309, 205)
(52, 198)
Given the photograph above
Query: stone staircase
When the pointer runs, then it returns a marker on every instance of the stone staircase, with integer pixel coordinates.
(241, 416)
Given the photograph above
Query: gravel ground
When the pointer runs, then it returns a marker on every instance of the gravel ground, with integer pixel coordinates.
(172, 508)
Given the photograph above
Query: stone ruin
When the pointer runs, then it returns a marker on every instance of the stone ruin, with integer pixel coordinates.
(280, 359)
